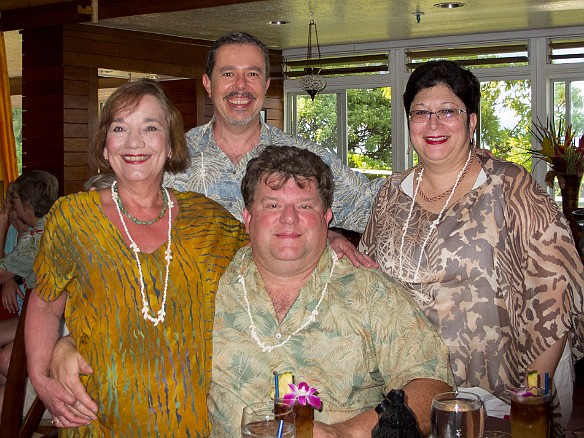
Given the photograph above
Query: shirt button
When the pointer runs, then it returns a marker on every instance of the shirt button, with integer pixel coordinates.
(278, 335)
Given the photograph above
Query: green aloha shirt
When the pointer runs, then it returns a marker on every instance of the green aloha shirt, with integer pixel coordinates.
(369, 337)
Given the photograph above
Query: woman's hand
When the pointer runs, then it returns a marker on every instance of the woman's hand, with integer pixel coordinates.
(57, 400)
(342, 247)
(9, 292)
(75, 408)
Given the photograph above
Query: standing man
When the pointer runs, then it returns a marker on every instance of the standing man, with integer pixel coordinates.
(287, 303)
(237, 79)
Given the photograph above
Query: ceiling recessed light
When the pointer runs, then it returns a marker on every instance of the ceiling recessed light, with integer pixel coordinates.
(449, 5)
(278, 22)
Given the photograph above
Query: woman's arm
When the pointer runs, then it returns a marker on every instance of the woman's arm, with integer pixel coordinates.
(548, 360)
(40, 334)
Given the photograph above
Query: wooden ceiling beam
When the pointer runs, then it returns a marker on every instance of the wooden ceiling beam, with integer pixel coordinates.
(68, 12)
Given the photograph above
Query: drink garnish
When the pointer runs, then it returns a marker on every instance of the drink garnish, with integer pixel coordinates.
(304, 394)
(283, 381)
(532, 389)
(290, 393)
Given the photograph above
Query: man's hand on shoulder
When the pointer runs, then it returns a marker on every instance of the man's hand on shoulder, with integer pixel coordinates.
(70, 404)
(342, 247)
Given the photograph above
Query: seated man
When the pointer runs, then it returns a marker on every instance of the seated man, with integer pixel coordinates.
(287, 303)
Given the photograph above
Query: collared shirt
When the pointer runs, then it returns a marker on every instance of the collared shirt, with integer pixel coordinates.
(214, 175)
(368, 338)
(20, 261)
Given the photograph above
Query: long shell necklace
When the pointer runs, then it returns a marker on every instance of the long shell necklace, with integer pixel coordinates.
(419, 295)
(311, 318)
(146, 311)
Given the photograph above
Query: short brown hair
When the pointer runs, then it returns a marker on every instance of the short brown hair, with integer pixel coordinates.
(39, 189)
(288, 162)
(127, 98)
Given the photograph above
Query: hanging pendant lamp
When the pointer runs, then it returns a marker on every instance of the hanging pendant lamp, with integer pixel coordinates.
(312, 82)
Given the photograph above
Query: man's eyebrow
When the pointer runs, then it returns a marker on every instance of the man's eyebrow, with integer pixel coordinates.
(235, 67)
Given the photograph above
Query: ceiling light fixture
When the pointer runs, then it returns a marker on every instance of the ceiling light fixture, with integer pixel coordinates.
(312, 82)
(418, 15)
(449, 5)
(278, 22)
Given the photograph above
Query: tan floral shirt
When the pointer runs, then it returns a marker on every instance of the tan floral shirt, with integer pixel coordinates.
(368, 337)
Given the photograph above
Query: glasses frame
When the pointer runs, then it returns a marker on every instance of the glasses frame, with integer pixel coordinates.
(438, 115)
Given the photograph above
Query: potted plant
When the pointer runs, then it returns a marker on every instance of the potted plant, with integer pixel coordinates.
(564, 152)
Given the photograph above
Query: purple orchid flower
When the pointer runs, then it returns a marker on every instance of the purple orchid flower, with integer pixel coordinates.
(304, 394)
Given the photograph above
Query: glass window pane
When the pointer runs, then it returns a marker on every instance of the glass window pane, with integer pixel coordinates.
(369, 130)
(505, 120)
(317, 120)
(569, 107)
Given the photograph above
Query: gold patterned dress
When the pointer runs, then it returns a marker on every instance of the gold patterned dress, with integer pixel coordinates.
(148, 380)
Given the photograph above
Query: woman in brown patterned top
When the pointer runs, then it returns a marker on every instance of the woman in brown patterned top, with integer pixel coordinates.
(482, 248)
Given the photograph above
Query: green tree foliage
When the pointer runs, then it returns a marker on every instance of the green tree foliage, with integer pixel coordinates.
(577, 108)
(505, 119)
(17, 126)
(369, 125)
(317, 120)
(369, 120)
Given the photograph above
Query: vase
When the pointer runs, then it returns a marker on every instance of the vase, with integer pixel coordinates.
(570, 197)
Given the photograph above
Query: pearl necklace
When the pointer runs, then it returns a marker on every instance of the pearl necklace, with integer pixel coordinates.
(268, 348)
(424, 298)
(146, 311)
(138, 221)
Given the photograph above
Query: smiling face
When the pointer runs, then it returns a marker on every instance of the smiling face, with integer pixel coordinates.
(137, 143)
(238, 84)
(437, 141)
(287, 227)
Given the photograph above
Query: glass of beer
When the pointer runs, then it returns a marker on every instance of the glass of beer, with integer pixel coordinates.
(457, 415)
(529, 413)
(264, 420)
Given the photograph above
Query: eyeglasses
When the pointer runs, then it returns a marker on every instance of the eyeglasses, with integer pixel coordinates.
(444, 115)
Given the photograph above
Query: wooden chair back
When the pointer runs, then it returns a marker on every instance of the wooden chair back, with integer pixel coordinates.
(13, 422)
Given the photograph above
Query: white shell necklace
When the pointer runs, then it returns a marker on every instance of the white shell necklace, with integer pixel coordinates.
(424, 298)
(268, 348)
(146, 311)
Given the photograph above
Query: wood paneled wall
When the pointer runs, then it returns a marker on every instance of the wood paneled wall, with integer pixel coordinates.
(60, 83)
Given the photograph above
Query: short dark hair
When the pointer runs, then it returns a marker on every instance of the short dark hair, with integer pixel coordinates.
(127, 98)
(288, 162)
(237, 38)
(463, 83)
(39, 189)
